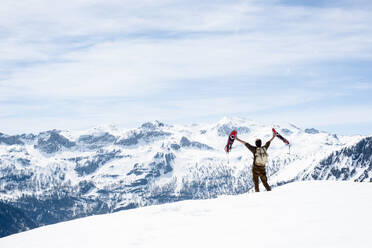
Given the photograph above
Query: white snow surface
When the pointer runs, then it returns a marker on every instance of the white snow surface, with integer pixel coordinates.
(300, 214)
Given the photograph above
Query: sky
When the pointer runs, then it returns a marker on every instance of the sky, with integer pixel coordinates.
(79, 64)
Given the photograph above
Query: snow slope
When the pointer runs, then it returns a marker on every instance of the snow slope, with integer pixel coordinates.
(301, 214)
(56, 175)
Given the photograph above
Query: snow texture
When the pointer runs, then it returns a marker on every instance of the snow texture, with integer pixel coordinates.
(59, 175)
(301, 214)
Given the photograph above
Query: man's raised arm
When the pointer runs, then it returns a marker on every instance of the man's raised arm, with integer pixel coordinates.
(274, 134)
(269, 142)
(249, 146)
(241, 141)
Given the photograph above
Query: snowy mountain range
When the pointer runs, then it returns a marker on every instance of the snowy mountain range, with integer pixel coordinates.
(59, 175)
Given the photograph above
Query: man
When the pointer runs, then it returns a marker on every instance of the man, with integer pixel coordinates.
(259, 161)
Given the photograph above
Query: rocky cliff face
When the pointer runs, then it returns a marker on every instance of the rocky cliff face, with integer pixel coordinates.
(13, 220)
(349, 163)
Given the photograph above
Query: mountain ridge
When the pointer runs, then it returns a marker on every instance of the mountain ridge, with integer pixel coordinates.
(106, 169)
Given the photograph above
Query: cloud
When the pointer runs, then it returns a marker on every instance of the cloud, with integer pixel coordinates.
(117, 68)
(321, 117)
(160, 58)
(360, 86)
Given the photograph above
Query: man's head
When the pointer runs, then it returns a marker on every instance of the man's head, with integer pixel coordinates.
(258, 142)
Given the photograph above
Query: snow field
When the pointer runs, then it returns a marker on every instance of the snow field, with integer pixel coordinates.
(301, 214)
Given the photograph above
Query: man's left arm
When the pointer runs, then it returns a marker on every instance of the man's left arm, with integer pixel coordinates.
(268, 143)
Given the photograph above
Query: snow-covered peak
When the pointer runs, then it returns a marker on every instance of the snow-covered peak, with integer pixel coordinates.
(154, 125)
(237, 121)
(107, 169)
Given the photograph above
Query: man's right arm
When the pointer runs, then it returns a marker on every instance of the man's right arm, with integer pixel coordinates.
(249, 146)
(241, 141)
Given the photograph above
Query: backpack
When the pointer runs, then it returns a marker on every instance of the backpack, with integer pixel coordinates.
(261, 156)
